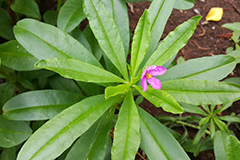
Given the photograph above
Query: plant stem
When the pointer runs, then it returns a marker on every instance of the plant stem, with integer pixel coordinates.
(59, 4)
(6, 74)
(12, 79)
(192, 126)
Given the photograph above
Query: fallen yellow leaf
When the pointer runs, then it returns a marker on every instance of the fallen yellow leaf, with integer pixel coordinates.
(215, 14)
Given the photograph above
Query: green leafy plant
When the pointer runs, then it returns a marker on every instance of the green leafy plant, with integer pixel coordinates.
(71, 117)
(235, 37)
(234, 51)
(211, 126)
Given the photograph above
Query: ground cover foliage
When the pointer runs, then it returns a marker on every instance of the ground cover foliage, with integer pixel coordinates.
(72, 94)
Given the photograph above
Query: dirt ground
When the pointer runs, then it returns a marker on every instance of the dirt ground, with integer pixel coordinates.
(209, 39)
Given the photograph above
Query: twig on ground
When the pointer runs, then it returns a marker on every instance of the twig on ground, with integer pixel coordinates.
(211, 53)
(140, 156)
(225, 35)
(185, 54)
(228, 9)
(202, 34)
(130, 5)
(199, 47)
(234, 6)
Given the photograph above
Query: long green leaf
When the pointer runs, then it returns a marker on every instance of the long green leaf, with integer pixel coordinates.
(39, 105)
(96, 50)
(70, 15)
(204, 144)
(212, 128)
(192, 109)
(119, 12)
(126, 133)
(235, 54)
(204, 121)
(93, 143)
(234, 80)
(107, 33)
(233, 26)
(59, 83)
(50, 17)
(60, 132)
(116, 90)
(78, 70)
(159, 10)
(140, 42)
(230, 118)
(14, 56)
(205, 68)
(90, 88)
(6, 30)
(45, 41)
(173, 42)
(184, 4)
(26, 7)
(200, 133)
(161, 98)
(200, 92)
(233, 147)
(79, 35)
(219, 144)
(221, 125)
(9, 154)
(7, 91)
(156, 141)
(109, 66)
(42, 73)
(13, 133)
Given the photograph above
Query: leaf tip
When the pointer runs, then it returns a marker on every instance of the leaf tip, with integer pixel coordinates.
(38, 63)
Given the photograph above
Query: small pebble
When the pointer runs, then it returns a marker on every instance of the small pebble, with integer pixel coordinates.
(205, 22)
(196, 10)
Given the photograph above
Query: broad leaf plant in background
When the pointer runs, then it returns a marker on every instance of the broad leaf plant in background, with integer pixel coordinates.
(73, 88)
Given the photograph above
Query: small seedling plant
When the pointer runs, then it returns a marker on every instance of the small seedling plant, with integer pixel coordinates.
(82, 87)
(234, 51)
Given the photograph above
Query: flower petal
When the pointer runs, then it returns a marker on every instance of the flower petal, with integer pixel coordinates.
(154, 82)
(144, 84)
(215, 14)
(143, 74)
(157, 71)
(151, 67)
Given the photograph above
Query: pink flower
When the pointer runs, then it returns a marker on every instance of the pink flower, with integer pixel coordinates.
(148, 75)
